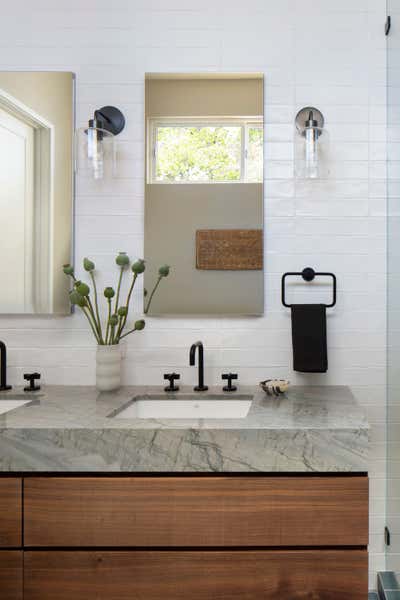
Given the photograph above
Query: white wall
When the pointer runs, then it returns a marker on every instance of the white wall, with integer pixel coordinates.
(330, 53)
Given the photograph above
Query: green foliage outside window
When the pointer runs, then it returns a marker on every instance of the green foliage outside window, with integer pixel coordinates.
(198, 153)
(207, 153)
(255, 154)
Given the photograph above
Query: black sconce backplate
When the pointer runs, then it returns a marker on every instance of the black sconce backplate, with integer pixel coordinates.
(111, 119)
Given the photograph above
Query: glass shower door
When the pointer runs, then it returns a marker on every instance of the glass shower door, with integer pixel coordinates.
(393, 290)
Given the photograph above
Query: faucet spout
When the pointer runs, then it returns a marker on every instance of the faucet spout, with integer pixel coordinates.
(192, 361)
(192, 355)
(3, 368)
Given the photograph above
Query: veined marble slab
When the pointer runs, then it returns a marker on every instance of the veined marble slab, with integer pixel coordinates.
(313, 429)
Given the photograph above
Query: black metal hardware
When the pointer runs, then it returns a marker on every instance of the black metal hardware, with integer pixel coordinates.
(31, 377)
(108, 118)
(3, 368)
(388, 25)
(229, 377)
(387, 536)
(308, 274)
(171, 378)
(308, 118)
(192, 356)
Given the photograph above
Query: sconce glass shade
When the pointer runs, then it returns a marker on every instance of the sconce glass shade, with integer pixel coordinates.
(311, 145)
(95, 152)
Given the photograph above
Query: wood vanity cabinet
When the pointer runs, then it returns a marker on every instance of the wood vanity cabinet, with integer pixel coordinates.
(10, 512)
(172, 537)
(225, 511)
(11, 570)
(11, 574)
(201, 575)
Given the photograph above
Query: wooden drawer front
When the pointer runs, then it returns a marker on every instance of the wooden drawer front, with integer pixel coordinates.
(10, 512)
(152, 575)
(10, 575)
(196, 511)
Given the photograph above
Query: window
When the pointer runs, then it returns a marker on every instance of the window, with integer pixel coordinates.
(206, 151)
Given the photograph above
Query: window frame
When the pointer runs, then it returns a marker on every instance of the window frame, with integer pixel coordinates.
(245, 123)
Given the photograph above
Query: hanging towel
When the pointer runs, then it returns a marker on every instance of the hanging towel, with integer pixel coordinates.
(310, 353)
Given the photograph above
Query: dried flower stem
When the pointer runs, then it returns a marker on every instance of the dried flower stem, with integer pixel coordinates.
(118, 290)
(128, 299)
(146, 308)
(91, 324)
(108, 320)
(128, 332)
(96, 303)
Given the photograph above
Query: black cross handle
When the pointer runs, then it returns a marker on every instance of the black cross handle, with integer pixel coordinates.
(229, 377)
(171, 378)
(31, 377)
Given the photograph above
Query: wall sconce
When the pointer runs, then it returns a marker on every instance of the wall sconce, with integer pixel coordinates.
(96, 148)
(309, 150)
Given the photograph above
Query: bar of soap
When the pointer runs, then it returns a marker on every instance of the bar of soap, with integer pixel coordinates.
(275, 386)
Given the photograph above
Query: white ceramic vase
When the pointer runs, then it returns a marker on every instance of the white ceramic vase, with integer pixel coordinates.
(108, 368)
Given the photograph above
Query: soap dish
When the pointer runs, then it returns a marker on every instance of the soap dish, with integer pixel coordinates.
(275, 387)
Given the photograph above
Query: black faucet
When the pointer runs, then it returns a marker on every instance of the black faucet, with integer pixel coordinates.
(192, 356)
(3, 368)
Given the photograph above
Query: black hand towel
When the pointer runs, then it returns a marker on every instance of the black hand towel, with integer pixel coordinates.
(310, 353)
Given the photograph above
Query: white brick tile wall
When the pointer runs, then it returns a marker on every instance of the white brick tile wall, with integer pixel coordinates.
(337, 63)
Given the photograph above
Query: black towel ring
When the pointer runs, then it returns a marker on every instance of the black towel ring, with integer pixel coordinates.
(308, 274)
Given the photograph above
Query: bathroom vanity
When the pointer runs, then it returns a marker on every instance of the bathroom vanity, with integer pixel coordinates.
(98, 504)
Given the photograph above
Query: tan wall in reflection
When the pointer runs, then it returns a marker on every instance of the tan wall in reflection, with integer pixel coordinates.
(204, 97)
(50, 94)
(173, 214)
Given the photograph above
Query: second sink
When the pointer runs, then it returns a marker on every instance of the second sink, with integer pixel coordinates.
(11, 400)
(186, 406)
(7, 405)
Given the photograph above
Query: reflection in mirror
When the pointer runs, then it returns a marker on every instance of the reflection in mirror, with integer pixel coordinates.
(36, 190)
(204, 192)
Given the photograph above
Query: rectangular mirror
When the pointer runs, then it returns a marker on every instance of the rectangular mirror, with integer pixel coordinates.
(204, 192)
(36, 190)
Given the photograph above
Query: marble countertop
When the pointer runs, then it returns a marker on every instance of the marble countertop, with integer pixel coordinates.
(69, 429)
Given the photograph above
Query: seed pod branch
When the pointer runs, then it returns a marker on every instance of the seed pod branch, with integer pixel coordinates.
(117, 319)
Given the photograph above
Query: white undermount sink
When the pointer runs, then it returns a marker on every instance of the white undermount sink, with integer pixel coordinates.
(186, 406)
(12, 400)
(7, 405)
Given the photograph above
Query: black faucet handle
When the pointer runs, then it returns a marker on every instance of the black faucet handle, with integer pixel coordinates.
(171, 378)
(229, 377)
(31, 377)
